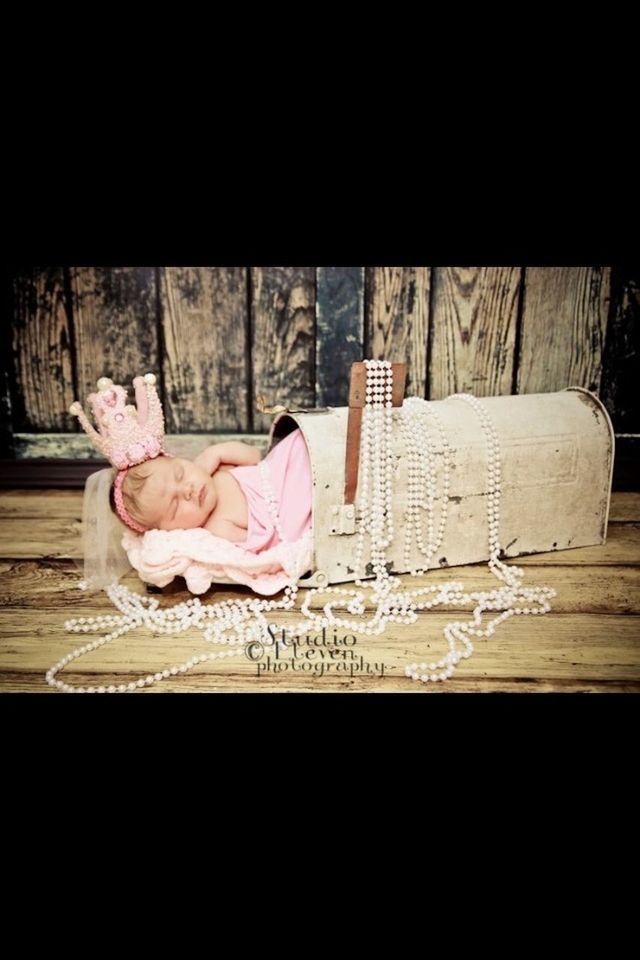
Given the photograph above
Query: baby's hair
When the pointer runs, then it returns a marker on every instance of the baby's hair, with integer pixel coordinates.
(131, 487)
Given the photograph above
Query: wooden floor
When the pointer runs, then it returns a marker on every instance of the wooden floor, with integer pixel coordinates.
(589, 642)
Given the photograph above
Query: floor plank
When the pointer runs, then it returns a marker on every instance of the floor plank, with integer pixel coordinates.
(563, 647)
(31, 583)
(589, 642)
(57, 539)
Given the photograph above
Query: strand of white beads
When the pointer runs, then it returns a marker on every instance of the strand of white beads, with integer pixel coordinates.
(247, 617)
(137, 610)
(507, 600)
(421, 453)
(391, 606)
(399, 607)
(270, 497)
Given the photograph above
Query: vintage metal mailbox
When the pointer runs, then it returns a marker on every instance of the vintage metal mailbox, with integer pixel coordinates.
(556, 452)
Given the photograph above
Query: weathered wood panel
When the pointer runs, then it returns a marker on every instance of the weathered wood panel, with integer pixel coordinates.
(218, 337)
(625, 507)
(41, 365)
(473, 330)
(7, 449)
(206, 349)
(339, 331)
(621, 362)
(563, 328)
(115, 328)
(79, 447)
(57, 540)
(397, 311)
(283, 343)
(31, 582)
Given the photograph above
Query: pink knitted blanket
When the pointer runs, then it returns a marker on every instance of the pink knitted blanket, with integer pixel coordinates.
(202, 558)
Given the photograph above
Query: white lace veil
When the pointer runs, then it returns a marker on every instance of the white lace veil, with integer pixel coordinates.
(98, 552)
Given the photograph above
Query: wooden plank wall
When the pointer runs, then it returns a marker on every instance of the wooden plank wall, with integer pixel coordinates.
(219, 338)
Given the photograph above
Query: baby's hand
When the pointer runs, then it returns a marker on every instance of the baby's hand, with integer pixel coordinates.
(209, 459)
(234, 453)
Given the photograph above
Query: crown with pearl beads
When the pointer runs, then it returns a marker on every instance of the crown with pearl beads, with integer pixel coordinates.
(126, 434)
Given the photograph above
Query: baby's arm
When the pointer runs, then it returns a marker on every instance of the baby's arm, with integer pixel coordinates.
(233, 452)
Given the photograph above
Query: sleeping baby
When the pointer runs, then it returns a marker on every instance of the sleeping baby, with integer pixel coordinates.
(221, 490)
(174, 493)
(227, 489)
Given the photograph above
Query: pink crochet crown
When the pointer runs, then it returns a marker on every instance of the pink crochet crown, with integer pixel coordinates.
(127, 436)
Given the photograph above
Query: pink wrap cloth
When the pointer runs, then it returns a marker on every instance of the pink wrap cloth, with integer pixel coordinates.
(263, 561)
(292, 485)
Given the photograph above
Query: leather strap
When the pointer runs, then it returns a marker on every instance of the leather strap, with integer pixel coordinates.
(357, 398)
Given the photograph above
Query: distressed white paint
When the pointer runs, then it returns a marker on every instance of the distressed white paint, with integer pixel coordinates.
(557, 467)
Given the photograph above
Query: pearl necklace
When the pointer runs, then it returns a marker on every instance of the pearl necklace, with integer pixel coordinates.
(247, 617)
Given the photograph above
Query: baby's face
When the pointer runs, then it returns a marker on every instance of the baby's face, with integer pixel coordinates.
(170, 498)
